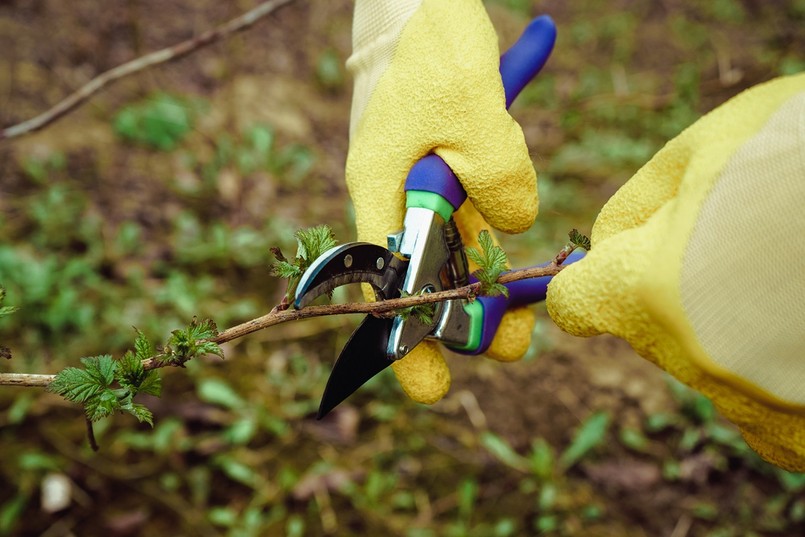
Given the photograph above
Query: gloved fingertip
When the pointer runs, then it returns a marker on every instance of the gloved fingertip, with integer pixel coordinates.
(513, 337)
(568, 304)
(423, 374)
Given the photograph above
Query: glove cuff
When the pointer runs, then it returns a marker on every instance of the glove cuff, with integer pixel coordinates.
(376, 29)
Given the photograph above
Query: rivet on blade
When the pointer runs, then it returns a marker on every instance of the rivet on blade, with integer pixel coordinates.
(380, 263)
(348, 260)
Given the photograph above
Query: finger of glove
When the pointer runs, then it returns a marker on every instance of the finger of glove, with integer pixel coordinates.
(435, 96)
(597, 294)
(423, 373)
(513, 337)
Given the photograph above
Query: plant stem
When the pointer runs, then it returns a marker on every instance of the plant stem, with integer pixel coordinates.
(78, 97)
(278, 316)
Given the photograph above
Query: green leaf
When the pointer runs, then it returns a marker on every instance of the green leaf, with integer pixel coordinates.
(186, 344)
(151, 384)
(217, 392)
(161, 122)
(467, 495)
(491, 261)
(502, 451)
(205, 329)
(236, 470)
(590, 435)
(261, 139)
(11, 511)
(313, 242)
(283, 269)
(132, 375)
(130, 371)
(791, 481)
(541, 459)
(76, 384)
(143, 348)
(140, 412)
(423, 313)
(582, 241)
(101, 368)
(101, 405)
(634, 439)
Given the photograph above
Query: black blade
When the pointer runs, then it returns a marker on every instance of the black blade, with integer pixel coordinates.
(363, 357)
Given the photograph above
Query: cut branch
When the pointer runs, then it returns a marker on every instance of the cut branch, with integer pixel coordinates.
(164, 55)
(277, 316)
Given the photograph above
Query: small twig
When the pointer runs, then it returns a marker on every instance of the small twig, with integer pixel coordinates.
(93, 443)
(25, 379)
(174, 52)
(278, 316)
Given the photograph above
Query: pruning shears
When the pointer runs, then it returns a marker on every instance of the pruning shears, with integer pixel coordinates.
(427, 255)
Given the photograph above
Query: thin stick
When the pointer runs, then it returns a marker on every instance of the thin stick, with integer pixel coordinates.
(277, 316)
(25, 379)
(136, 65)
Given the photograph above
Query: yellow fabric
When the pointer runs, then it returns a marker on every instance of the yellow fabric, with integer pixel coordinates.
(652, 276)
(376, 29)
(441, 92)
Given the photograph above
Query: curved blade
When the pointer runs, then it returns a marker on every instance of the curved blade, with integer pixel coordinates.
(363, 357)
(354, 262)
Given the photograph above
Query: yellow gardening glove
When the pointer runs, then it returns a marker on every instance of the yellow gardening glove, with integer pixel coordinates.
(699, 263)
(427, 80)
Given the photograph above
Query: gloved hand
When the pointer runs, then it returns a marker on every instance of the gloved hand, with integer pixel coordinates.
(692, 264)
(427, 80)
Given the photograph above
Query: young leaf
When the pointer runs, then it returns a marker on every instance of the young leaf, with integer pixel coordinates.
(101, 368)
(75, 385)
(423, 313)
(205, 329)
(186, 344)
(591, 434)
(503, 451)
(5, 310)
(283, 269)
(139, 411)
(151, 384)
(132, 375)
(491, 261)
(81, 385)
(313, 242)
(143, 348)
(581, 241)
(102, 404)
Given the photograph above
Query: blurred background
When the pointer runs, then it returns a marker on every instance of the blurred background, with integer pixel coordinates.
(159, 200)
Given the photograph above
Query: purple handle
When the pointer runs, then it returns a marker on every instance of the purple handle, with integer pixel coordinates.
(521, 293)
(517, 67)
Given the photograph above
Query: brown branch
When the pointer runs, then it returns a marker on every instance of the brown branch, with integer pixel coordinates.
(277, 316)
(174, 52)
(25, 379)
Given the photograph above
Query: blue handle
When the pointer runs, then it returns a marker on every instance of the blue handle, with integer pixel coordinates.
(517, 67)
(521, 293)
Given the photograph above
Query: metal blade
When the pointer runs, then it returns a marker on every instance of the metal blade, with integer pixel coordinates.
(363, 357)
(354, 262)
